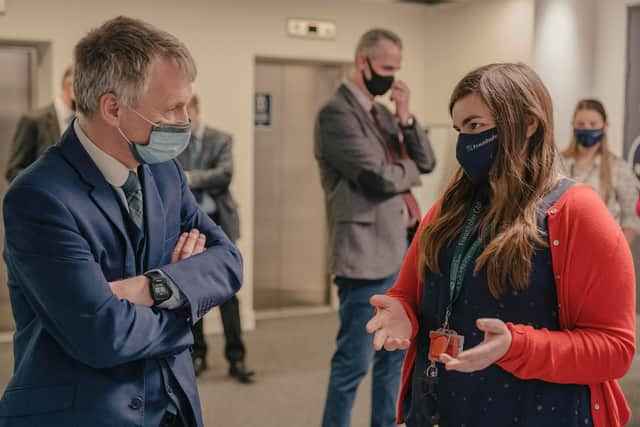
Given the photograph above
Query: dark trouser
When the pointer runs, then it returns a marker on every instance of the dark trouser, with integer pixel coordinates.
(234, 347)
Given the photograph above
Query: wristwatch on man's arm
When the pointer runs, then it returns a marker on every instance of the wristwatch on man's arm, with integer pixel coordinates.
(164, 293)
(410, 125)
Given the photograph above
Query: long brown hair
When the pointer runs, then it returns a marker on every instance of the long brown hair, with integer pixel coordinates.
(606, 183)
(524, 171)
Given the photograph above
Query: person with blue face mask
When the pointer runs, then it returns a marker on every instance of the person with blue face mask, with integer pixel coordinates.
(589, 161)
(166, 141)
(499, 302)
(110, 259)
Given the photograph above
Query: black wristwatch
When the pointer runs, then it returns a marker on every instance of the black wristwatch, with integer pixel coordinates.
(158, 286)
(411, 123)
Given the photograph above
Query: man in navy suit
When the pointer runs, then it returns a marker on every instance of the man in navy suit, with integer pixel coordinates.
(110, 259)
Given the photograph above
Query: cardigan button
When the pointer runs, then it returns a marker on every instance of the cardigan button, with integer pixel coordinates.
(136, 403)
(556, 242)
(597, 406)
(557, 277)
(553, 211)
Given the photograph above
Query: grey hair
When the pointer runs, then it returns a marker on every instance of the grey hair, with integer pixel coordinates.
(368, 43)
(115, 58)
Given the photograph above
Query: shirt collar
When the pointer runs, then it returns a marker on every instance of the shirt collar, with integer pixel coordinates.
(113, 171)
(361, 97)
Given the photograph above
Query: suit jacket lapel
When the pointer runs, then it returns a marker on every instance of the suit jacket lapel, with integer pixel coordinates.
(365, 116)
(106, 199)
(210, 149)
(154, 218)
(102, 194)
(208, 146)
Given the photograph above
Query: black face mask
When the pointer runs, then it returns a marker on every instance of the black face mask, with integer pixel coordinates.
(377, 85)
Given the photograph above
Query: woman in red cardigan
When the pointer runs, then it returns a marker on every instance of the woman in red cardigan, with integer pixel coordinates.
(538, 330)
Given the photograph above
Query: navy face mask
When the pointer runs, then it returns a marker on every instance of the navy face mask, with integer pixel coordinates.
(476, 153)
(588, 137)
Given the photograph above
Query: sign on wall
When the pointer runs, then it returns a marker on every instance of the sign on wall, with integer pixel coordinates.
(262, 109)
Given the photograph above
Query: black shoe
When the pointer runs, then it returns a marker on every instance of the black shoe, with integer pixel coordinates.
(239, 371)
(199, 365)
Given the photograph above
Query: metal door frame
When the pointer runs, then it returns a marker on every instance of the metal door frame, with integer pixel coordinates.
(33, 50)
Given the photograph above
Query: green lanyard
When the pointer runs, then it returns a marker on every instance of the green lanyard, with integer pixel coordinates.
(461, 261)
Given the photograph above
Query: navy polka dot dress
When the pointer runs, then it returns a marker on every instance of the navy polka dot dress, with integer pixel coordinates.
(493, 397)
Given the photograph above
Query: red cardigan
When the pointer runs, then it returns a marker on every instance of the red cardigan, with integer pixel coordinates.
(596, 293)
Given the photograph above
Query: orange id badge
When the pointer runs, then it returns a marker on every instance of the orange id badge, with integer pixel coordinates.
(444, 341)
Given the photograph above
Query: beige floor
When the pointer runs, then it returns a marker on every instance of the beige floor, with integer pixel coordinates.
(291, 357)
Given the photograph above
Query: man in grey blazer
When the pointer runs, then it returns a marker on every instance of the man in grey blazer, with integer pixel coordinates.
(40, 129)
(369, 158)
(208, 166)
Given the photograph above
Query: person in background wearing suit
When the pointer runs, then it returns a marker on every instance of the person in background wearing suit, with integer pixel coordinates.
(110, 259)
(208, 166)
(369, 158)
(42, 128)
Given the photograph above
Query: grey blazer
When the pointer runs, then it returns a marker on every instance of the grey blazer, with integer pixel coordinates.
(365, 209)
(36, 131)
(212, 174)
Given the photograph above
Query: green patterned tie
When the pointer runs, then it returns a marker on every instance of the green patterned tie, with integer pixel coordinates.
(133, 192)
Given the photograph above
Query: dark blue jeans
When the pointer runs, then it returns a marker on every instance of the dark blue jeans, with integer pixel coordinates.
(354, 354)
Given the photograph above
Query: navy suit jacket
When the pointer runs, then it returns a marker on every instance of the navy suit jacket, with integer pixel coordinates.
(80, 352)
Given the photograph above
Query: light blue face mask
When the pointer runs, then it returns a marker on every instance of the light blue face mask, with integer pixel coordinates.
(166, 142)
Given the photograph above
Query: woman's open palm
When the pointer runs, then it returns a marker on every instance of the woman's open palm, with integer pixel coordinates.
(390, 324)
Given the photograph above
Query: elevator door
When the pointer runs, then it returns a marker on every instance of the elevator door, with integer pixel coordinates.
(16, 91)
(290, 257)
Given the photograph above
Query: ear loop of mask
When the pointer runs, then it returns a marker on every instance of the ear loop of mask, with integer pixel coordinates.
(129, 141)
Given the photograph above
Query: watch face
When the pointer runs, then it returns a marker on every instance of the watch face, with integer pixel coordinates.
(160, 290)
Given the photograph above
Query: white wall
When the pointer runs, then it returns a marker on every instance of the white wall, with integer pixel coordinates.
(563, 55)
(459, 38)
(580, 50)
(611, 64)
(464, 36)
